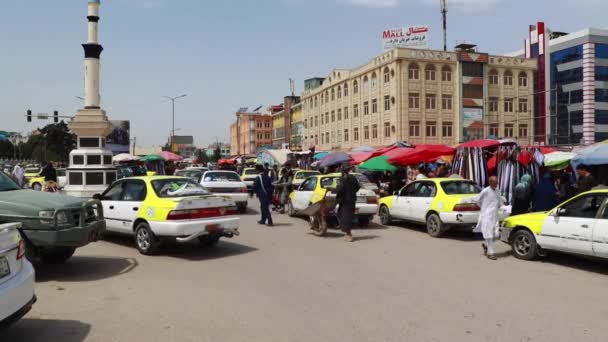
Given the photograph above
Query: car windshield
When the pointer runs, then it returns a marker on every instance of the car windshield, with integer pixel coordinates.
(177, 187)
(460, 188)
(32, 170)
(249, 172)
(304, 175)
(6, 183)
(195, 175)
(221, 177)
(330, 182)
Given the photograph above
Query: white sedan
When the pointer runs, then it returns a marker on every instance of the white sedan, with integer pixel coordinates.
(227, 184)
(16, 276)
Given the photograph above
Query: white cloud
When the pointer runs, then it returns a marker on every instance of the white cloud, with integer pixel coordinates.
(374, 3)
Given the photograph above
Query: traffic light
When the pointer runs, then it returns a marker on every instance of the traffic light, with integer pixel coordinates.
(29, 115)
(56, 116)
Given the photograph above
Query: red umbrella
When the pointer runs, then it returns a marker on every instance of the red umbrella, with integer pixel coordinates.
(169, 156)
(483, 143)
(359, 158)
(419, 154)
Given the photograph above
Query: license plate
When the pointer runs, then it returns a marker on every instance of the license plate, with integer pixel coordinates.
(4, 267)
(212, 228)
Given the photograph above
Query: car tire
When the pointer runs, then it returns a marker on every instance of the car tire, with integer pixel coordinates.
(242, 207)
(385, 216)
(208, 240)
(364, 220)
(291, 211)
(523, 245)
(56, 255)
(37, 187)
(434, 225)
(145, 240)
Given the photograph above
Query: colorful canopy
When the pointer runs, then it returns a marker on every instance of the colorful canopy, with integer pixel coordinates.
(419, 154)
(320, 155)
(335, 158)
(359, 158)
(124, 157)
(483, 143)
(558, 160)
(596, 155)
(379, 164)
(363, 149)
(170, 156)
(152, 157)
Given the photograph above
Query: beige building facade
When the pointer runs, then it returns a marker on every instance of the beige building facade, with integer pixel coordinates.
(422, 97)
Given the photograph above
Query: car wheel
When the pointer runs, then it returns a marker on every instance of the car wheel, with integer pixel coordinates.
(434, 226)
(37, 186)
(242, 207)
(524, 245)
(145, 240)
(364, 220)
(208, 240)
(56, 255)
(291, 211)
(385, 216)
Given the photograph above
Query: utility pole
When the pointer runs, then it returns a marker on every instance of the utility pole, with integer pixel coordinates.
(134, 142)
(444, 13)
(172, 99)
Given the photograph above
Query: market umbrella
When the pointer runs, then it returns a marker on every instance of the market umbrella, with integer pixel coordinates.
(420, 154)
(596, 155)
(379, 164)
(483, 143)
(320, 155)
(335, 158)
(152, 157)
(124, 157)
(170, 156)
(359, 158)
(558, 160)
(363, 149)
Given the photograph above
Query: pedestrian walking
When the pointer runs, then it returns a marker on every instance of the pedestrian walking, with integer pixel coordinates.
(18, 173)
(522, 196)
(262, 186)
(50, 177)
(585, 181)
(545, 194)
(346, 198)
(490, 201)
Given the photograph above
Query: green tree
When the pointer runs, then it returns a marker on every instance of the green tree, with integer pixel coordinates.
(7, 150)
(217, 153)
(202, 157)
(54, 143)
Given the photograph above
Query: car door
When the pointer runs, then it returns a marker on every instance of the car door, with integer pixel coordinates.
(421, 201)
(127, 209)
(304, 193)
(109, 199)
(569, 227)
(401, 205)
(600, 232)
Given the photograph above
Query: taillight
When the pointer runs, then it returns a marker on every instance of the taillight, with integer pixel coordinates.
(21, 249)
(372, 200)
(191, 214)
(244, 190)
(466, 207)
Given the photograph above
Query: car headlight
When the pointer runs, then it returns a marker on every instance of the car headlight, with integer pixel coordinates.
(47, 216)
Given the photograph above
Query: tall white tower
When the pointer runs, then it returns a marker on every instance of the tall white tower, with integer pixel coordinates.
(91, 169)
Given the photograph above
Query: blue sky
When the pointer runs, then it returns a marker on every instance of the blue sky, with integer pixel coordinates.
(228, 54)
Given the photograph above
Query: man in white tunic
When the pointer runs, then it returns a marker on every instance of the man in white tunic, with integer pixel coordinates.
(490, 202)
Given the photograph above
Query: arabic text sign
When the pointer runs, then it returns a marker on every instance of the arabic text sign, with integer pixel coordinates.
(406, 37)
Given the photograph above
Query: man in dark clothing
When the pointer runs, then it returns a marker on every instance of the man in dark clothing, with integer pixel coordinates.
(585, 179)
(49, 173)
(262, 186)
(347, 198)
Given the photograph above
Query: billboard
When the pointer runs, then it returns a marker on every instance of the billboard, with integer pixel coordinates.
(472, 124)
(119, 140)
(406, 37)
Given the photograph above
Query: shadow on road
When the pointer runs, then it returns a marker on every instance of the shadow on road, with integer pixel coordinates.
(86, 268)
(194, 252)
(583, 263)
(47, 330)
(371, 226)
(337, 235)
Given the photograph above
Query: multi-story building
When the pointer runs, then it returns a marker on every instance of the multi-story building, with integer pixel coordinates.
(288, 124)
(250, 133)
(420, 96)
(224, 149)
(571, 84)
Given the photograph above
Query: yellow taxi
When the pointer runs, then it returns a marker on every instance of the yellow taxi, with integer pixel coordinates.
(248, 176)
(35, 182)
(300, 175)
(156, 208)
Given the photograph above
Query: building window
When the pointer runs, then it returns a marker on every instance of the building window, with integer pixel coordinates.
(413, 72)
(414, 100)
(387, 75)
(508, 130)
(429, 72)
(523, 105)
(508, 105)
(366, 108)
(446, 102)
(374, 105)
(326, 96)
(345, 113)
(316, 102)
(366, 132)
(316, 139)
(374, 131)
(414, 128)
(493, 77)
(493, 104)
(333, 94)
(356, 134)
(493, 130)
(446, 74)
(326, 117)
(339, 92)
(355, 87)
(339, 114)
(431, 128)
(305, 123)
(387, 103)
(446, 129)
(322, 119)
(346, 135)
(355, 111)
(333, 116)
(345, 89)
(317, 121)
(322, 98)
(523, 79)
(523, 131)
(387, 129)
(374, 80)
(430, 101)
(365, 85)
(508, 78)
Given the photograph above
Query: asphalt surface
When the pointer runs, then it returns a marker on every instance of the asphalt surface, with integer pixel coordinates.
(284, 284)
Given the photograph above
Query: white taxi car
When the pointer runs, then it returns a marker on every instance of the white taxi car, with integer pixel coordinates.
(16, 276)
(227, 184)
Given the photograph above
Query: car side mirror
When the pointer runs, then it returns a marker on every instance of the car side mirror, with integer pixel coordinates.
(560, 212)
(396, 192)
(97, 197)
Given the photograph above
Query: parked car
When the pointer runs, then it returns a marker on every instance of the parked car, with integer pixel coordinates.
(194, 174)
(16, 276)
(30, 172)
(314, 188)
(53, 225)
(366, 183)
(36, 183)
(300, 175)
(248, 176)
(440, 203)
(199, 168)
(577, 226)
(157, 208)
(227, 184)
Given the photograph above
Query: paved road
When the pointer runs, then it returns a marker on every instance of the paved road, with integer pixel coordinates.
(283, 284)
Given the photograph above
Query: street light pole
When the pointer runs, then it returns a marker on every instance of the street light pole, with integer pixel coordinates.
(172, 99)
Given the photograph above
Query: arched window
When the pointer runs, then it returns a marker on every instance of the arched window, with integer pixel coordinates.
(345, 89)
(493, 76)
(386, 75)
(374, 80)
(355, 87)
(446, 73)
(327, 96)
(365, 84)
(316, 102)
(508, 78)
(339, 92)
(322, 98)
(429, 72)
(523, 79)
(413, 72)
(333, 94)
